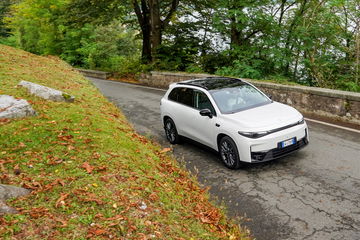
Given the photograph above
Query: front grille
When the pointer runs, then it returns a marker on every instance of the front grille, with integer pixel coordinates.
(278, 152)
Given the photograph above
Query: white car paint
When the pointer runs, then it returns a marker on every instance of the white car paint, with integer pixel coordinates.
(191, 124)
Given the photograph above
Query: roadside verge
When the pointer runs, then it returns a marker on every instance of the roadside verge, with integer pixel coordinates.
(90, 174)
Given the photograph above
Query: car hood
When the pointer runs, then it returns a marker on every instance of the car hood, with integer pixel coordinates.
(264, 118)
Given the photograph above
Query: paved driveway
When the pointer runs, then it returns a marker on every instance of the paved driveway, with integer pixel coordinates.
(312, 194)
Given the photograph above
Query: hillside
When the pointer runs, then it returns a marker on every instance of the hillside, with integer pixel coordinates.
(91, 175)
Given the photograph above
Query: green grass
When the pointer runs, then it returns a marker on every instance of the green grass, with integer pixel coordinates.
(89, 171)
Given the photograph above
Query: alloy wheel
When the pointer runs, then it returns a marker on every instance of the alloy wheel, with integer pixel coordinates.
(228, 154)
(170, 131)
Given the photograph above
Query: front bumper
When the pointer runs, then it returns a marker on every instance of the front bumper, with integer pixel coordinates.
(266, 148)
(278, 152)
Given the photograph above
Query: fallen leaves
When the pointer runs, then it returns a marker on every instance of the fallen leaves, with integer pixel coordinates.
(37, 212)
(85, 175)
(138, 137)
(153, 197)
(17, 170)
(95, 231)
(96, 155)
(54, 160)
(49, 186)
(32, 185)
(64, 223)
(87, 167)
(165, 150)
(85, 196)
(61, 200)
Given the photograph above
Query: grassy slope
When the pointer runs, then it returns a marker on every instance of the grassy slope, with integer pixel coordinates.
(89, 171)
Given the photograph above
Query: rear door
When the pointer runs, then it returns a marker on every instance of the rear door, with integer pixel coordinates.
(181, 104)
(185, 104)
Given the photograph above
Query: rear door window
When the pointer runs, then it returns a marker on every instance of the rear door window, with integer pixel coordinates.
(186, 96)
(182, 95)
(174, 95)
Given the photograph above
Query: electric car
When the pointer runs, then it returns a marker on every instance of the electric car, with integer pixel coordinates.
(234, 118)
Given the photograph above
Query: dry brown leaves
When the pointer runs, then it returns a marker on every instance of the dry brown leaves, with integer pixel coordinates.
(87, 167)
(61, 200)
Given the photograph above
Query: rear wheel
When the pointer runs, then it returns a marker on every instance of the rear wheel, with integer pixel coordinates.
(229, 153)
(171, 132)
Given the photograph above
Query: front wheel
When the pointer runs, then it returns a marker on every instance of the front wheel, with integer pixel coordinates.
(171, 132)
(229, 153)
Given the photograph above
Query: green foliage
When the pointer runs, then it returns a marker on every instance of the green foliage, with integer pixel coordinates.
(37, 25)
(42, 27)
(239, 69)
(4, 11)
(194, 68)
(307, 42)
(10, 41)
(175, 57)
(112, 46)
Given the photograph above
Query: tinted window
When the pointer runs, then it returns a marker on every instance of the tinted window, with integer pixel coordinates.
(201, 101)
(186, 96)
(174, 94)
(182, 95)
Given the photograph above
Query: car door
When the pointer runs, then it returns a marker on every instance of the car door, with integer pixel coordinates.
(202, 127)
(181, 106)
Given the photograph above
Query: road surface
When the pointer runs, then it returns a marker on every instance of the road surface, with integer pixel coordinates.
(311, 194)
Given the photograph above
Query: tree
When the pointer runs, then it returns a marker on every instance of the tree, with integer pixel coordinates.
(38, 24)
(153, 17)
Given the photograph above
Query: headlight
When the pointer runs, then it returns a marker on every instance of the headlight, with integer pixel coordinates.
(301, 121)
(254, 134)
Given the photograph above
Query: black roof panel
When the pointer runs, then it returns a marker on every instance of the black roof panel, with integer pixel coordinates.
(212, 83)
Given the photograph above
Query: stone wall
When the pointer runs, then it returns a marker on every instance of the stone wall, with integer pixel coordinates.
(335, 104)
(94, 73)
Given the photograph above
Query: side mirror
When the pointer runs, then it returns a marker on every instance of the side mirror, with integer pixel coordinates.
(206, 112)
(270, 96)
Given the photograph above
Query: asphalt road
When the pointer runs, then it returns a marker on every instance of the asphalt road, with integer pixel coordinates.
(311, 194)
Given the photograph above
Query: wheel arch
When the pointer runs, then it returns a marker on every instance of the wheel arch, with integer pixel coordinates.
(166, 117)
(219, 137)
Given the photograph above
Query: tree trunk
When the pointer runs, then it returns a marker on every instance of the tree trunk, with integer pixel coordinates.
(146, 54)
(149, 18)
(235, 34)
(143, 17)
(156, 26)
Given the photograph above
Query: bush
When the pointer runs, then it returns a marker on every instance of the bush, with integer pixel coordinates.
(239, 69)
(124, 65)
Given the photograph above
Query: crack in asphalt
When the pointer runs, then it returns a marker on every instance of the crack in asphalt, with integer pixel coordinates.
(311, 194)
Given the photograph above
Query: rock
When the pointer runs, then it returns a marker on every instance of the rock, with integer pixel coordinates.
(5, 209)
(7, 192)
(46, 92)
(14, 108)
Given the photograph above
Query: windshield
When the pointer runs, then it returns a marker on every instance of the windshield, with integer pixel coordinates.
(235, 99)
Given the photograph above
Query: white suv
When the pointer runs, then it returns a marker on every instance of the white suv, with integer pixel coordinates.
(234, 118)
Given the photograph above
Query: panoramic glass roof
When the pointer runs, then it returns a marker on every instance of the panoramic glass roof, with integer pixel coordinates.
(213, 83)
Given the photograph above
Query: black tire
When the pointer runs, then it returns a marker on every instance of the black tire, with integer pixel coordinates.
(229, 153)
(171, 131)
